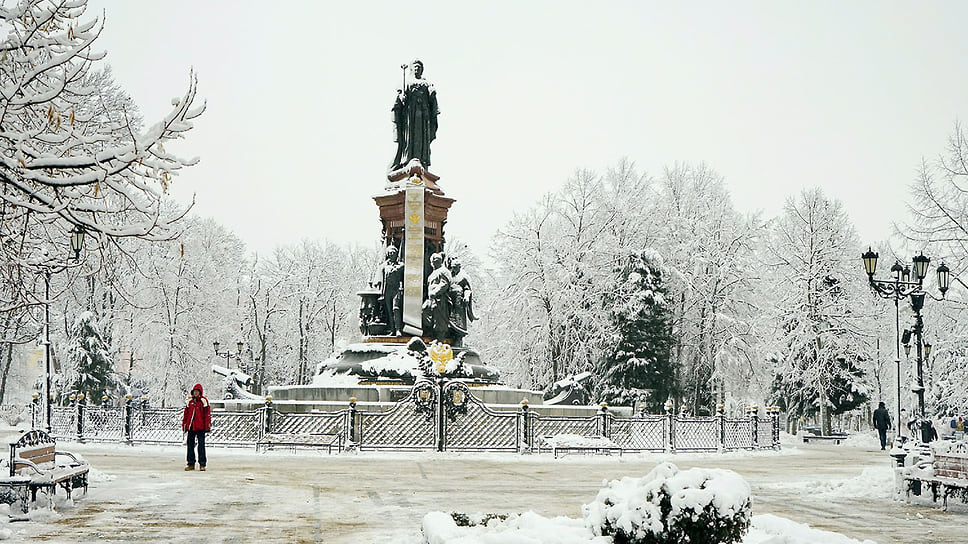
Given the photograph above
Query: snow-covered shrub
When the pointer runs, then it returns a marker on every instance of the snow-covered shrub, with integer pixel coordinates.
(473, 520)
(13, 415)
(669, 506)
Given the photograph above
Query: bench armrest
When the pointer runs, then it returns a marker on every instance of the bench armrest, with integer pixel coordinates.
(72, 456)
(27, 463)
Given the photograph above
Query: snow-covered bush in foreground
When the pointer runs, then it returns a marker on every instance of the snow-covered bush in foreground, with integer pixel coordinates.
(695, 506)
(669, 506)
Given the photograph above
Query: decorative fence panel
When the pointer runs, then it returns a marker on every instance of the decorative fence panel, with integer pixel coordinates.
(63, 421)
(481, 428)
(413, 423)
(157, 425)
(436, 415)
(764, 433)
(738, 433)
(103, 424)
(309, 424)
(696, 434)
(236, 428)
(541, 426)
(643, 433)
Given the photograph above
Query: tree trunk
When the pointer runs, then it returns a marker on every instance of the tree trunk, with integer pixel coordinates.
(6, 369)
(301, 376)
(824, 412)
(9, 354)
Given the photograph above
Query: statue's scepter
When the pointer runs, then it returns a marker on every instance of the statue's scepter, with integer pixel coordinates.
(404, 68)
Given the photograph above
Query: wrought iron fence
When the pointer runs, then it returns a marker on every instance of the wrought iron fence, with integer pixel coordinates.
(63, 421)
(104, 423)
(154, 425)
(441, 416)
(643, 433)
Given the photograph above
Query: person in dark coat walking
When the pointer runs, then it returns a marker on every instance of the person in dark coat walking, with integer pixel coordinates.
(882, 422)
(196, 421)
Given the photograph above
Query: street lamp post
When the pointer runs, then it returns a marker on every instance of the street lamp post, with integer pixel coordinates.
(904, 286)
(77, 244)
(228, 353)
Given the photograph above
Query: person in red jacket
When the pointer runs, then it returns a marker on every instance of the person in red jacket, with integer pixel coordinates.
(197, 420)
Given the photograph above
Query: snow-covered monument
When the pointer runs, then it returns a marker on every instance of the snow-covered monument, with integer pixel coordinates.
(419, 305)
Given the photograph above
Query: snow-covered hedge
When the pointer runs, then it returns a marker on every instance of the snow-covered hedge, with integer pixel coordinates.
(669, 506)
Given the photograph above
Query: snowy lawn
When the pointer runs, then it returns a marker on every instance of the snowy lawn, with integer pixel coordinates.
(141, 494)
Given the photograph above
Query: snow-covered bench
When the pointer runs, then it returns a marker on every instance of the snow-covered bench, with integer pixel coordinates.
(946, 478)
(568, 443)
(301, 440)
(836, 438)
(35, 465)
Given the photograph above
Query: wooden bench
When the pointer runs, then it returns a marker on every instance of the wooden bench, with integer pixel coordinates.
(950, 474)
(578, 444)
(301, 440)
(35, 462)
(836, 439)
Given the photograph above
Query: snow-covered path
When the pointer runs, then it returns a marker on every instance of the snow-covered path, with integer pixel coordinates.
(141, 494)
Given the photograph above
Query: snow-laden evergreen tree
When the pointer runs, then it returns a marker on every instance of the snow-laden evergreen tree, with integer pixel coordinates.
(89, 368)
(637, 369)
(554, 263)
(543, 320)
(817, 322)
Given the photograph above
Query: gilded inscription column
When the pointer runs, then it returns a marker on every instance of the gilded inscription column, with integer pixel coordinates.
(413, 264)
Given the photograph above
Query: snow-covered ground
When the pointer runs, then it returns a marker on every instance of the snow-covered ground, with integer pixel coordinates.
(141, 494)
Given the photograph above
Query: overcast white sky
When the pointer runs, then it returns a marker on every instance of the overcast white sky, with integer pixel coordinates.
(775, 96)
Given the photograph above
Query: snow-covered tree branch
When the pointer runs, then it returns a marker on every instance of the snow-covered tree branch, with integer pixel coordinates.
(71, 149)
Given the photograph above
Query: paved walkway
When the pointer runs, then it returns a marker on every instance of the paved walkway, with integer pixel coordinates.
(144, 495)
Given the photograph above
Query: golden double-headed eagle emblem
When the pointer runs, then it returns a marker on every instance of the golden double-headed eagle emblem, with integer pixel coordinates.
(441, 354)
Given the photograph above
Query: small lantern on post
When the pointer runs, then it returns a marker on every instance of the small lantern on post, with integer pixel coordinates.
(921, 266)
(870, 262)
(525, 428)
(671, 445)
(80, 417)
(354, 436)
(127, 417)
(77, 241)
(268, 420)
(603, 429)
(944, 279)
(34, 405)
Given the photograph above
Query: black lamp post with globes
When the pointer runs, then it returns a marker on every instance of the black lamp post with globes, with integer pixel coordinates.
(905, 286)
(228, 353)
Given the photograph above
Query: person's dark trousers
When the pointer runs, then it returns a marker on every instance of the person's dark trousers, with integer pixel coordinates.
(881, 432)
(200, 436)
